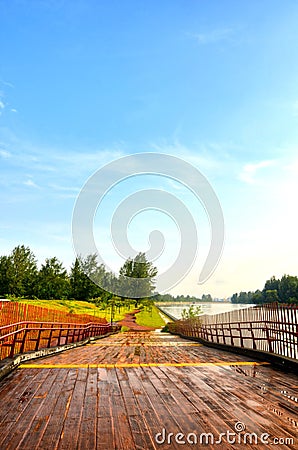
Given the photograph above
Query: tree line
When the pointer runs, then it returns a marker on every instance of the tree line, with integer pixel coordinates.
(183, 298)
(21, 277)
(284, 290)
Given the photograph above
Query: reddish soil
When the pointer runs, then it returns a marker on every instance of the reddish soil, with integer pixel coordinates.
(130, 322)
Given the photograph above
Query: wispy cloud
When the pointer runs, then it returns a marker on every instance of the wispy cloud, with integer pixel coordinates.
(202, 156)
(249, 171)
(5, 154)
(89, 160)
(6, 83)
(66, 192)
(212, 36)
(57, 187)
(30, 183)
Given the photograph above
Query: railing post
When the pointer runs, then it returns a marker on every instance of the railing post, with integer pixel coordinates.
(24, 339)
(254, 345)
(268, 338)
(67, 334)
(223, 333)
(50, 335)
(38, 337)
(240, 335)
(60, 334)
(12, 347)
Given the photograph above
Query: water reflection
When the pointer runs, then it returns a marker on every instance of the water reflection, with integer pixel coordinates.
(247, 371)
(282, 403)
(207, 308)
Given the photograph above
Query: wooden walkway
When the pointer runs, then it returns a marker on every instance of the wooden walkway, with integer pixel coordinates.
(132, 390)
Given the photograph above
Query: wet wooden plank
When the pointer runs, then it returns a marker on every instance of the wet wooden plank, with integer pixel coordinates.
(87, 432)
(119, 412)
(105, 422)
(138, 426)
(125, 408)
(13, 407)
(44, 413)
(22, 427)
(155, 412)
(52, 433)
(73, 417)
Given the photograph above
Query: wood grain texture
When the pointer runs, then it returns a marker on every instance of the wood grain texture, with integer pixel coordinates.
(122, 407)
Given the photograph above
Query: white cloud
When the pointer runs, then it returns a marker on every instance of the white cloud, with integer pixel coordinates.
(6, 83)
(213, 36)
(5, 154)
(249, 171)
(57, 187)
(30, 183)
(2, 106)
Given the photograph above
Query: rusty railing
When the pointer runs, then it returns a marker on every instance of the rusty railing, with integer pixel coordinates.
(27, 328)
(269, 328)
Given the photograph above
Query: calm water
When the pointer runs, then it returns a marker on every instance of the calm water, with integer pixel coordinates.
(207, 308)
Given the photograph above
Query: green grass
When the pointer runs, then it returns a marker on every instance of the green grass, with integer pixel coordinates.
(79, 307)
(150, 318)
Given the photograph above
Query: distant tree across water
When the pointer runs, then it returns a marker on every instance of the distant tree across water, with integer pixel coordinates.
(284, 290)
(183, 298)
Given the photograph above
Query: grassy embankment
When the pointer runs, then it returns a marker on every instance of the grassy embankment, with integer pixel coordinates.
(80, 307)
(145, 317)
(149, 318)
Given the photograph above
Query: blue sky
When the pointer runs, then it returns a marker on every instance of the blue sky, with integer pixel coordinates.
(213, 82)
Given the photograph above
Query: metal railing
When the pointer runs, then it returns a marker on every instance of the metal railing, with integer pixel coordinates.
(23, 337)
(26, 328)
(270, 328)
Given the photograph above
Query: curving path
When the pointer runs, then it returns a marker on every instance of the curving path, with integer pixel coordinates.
(129, 321)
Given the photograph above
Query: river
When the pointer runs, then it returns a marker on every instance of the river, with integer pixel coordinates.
(210, 308)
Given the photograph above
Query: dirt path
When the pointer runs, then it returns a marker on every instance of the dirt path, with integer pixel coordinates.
(130, 322)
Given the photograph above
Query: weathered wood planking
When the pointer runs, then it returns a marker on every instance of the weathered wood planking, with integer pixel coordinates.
(125, 407)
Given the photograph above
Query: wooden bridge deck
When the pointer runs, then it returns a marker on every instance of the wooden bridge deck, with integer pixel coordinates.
(121, 391)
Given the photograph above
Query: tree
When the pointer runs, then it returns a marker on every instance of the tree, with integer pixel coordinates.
(271, 296)
(5, 270)
(22, 272)
(192, 312)
(96, 274)
(258, 297)
(53, 281)
(81, 287)
(272, 284)
(137, 277)
(243, 297)
(206, 298)
(87, 279)
(288, 289)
